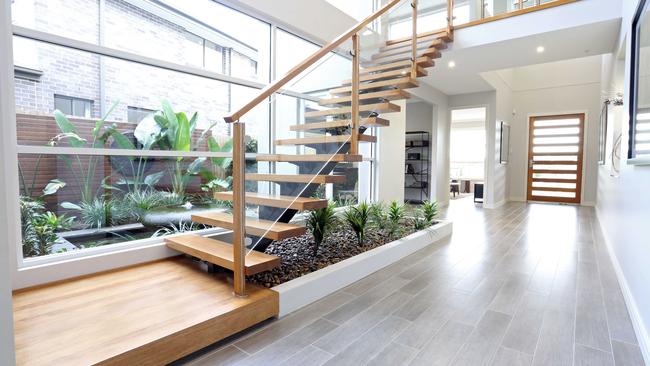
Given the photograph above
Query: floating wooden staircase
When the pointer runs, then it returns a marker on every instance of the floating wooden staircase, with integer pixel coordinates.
(383, 79)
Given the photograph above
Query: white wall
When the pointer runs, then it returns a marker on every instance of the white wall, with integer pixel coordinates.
(8, 117)
(440, 141)
(622, 209)
(571, 86)
(390, 156)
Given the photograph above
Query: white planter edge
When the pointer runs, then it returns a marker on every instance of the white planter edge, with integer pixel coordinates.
(309, 288)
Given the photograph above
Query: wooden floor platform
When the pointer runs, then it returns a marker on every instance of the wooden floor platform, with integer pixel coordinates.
(150, 314)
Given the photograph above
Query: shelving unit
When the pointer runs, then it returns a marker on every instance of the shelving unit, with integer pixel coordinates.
(416, 167)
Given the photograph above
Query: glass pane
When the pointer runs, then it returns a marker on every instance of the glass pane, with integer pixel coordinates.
(553, 176)
(556, 122)
(81, 108)
(555, 140)
(556, 131)
(432, 15)
(554, 194)
(62, 104)
(555, 157)
(554, 185)
(556, 149)
(70, 203)
(554, 167)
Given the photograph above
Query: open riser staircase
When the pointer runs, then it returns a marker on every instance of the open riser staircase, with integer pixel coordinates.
(328, 132)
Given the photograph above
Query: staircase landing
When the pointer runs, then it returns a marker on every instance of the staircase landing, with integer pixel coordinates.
(148, 314)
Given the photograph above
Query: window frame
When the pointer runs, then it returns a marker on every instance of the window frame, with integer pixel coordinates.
(35, 271)
(72, 101)
(632, 158)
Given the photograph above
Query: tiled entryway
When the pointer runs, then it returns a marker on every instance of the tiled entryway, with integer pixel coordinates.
(525, 284)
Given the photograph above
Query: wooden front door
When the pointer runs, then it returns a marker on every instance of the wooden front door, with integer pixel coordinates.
(555, 149)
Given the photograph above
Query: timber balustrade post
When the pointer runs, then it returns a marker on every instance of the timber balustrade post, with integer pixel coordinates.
(450, 16)
(238, 211)
(414, 41)
(354, 97)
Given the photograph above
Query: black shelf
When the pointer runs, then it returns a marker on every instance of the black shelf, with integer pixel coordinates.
(417, 170)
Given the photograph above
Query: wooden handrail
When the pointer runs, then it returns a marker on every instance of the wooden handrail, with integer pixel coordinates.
(275, 86)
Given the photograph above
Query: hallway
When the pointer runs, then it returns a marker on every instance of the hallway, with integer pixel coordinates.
(525, 284)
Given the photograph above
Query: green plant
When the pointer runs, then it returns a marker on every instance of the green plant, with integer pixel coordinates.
(101, 212)
(320, 222)
(419, 222)
(378, 215)
(218, 177)
(39, 227)
(429, 210)
(173, 131)
(395, 216)
(182, 227)
(357, 218)
(83, 172)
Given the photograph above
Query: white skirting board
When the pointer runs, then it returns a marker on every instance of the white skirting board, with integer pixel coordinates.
(307, 289)
(642, 335)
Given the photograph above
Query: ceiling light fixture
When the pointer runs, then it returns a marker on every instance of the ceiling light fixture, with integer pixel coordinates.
(540, 49)
(451, 64)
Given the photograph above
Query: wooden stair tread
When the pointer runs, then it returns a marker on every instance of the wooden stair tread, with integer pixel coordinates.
(220, 253)
(400, 83)
(296, 178)
(395, 94)
(257, 227)
(424, 62)
(439, 45)
(421, 43)
(389, 74)
(442, 35)
(382, 59)
(271, 200)
(374, 107)
(348, 158)
(323, 140)
(365, 122)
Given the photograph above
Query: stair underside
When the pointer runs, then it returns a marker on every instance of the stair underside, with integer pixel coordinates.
(394, 94)
(385, 107)
(220, 253)
(295, 178)
(425, 62)
(388, 75)
(399, 83)
(294, 203)
(262, 228)
(338, 158)
(365, 122)
(323, 140)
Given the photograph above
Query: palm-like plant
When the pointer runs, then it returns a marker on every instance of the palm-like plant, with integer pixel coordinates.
(357, 218)
(320, 222)
(429, 211)
(378, 215)
(395, 216)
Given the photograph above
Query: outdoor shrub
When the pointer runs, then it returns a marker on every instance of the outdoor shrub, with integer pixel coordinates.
(39, 227)
(357, 218)
(101, 212)
(320, 222)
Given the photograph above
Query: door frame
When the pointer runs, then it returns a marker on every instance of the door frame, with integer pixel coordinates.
(582, 116)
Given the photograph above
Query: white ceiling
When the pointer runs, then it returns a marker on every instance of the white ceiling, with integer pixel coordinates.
(576, 42)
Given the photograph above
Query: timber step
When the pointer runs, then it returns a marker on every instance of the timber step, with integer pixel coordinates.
(385, 107)
(399, 83)
(422, 50)
(295, 178)
(323, 140)
(442, 35)
(310, 158)
(271, 200)
(257, 227)
(379, 58)
(425, 62)
(220, 253)
(395, 94)
(364, 122)
(388, 75)
(421, 43)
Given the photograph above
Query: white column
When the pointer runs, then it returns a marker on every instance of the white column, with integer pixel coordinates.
(390, 156)
(8, 196)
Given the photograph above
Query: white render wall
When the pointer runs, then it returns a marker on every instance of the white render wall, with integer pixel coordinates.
(390, 156)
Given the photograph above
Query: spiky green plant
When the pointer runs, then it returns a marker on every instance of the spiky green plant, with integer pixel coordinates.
(396, 214)
(429, 210)
(419, 222)
(320, 222)
(378, 215)
(358, 217)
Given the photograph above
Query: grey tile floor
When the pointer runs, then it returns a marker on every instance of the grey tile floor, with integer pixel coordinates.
(525, 284)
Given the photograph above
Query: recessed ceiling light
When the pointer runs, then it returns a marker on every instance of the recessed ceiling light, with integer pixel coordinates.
(540, 49)
(451, 64)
